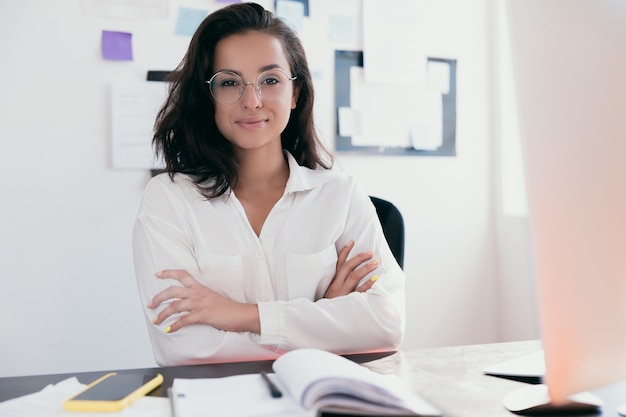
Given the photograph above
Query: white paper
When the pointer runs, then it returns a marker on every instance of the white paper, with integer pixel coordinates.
(345, 24)
(426, 123)
(439, 76)
(134, 108)
(292, 12)
(393, 47)
(348, 121)
(234, 396)
(49, 403)
(407, 116)
(384, 117)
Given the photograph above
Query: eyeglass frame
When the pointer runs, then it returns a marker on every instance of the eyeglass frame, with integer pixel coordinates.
(246, 83)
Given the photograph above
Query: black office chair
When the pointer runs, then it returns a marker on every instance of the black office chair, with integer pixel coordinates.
(393, 227)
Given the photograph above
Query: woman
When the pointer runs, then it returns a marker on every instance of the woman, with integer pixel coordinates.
(249, 244)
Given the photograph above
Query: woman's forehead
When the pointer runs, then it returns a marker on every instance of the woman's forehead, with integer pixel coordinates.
(249, 52)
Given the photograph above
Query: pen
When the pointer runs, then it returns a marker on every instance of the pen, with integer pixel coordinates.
(274, 391)
(171, 400)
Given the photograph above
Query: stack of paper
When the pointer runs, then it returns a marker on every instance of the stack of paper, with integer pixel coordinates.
(49, 403)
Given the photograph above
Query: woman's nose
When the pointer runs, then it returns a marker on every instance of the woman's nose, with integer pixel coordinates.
(251, 97)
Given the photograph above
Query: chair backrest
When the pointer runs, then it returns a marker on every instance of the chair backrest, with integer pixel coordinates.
(393, 227)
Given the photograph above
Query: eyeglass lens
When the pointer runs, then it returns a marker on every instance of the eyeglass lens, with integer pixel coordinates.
(228, 87)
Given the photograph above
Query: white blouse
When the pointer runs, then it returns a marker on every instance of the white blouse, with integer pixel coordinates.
(285, 271)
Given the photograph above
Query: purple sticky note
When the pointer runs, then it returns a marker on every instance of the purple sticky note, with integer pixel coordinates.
(117, 45)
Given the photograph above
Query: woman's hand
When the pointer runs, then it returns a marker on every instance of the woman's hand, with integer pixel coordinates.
(201, 305)
(350, 272)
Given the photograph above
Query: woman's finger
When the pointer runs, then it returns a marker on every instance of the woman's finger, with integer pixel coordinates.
(356, 260)
(367, 284)
(348, 276)
(167, 294)
(344, 252)
(358, 274)
(343, 273)
(184, 320)
(181, 275)
(163, 315)
(172, 273)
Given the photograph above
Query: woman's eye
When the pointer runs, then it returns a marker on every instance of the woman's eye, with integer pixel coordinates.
(229, 83)
(270, 81)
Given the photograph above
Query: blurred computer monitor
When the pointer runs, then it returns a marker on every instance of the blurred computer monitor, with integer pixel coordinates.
(569, 59)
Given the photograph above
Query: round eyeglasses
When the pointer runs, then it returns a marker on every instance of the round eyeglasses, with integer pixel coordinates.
(227, 87)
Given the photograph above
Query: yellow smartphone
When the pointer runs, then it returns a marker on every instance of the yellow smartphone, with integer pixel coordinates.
(113, 392)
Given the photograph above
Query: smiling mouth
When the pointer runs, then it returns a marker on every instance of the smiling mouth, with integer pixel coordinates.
(251, 123)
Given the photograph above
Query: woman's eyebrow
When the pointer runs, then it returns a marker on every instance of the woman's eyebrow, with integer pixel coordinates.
(228, 70)
(262, 69)
(269, 67)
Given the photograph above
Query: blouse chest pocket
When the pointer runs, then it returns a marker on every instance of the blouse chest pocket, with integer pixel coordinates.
(223, 274)
(308, 276)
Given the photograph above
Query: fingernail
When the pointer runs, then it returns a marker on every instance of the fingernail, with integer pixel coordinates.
(158, 274)
(168, 329)
(154, 320)
(376, 262)
(374, 278)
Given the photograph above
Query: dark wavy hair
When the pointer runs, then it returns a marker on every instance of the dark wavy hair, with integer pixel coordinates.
(185, 133)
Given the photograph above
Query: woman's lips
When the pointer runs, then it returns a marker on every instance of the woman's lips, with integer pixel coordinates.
(251, 123)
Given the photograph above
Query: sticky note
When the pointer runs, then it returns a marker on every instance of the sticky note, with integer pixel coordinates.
(117, 45)
(439, 76)
(292, 12)
(189, 20)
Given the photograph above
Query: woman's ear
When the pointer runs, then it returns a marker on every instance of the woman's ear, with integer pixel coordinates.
(294, 98)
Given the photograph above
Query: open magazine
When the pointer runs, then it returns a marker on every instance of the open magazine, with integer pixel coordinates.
(314, 383)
